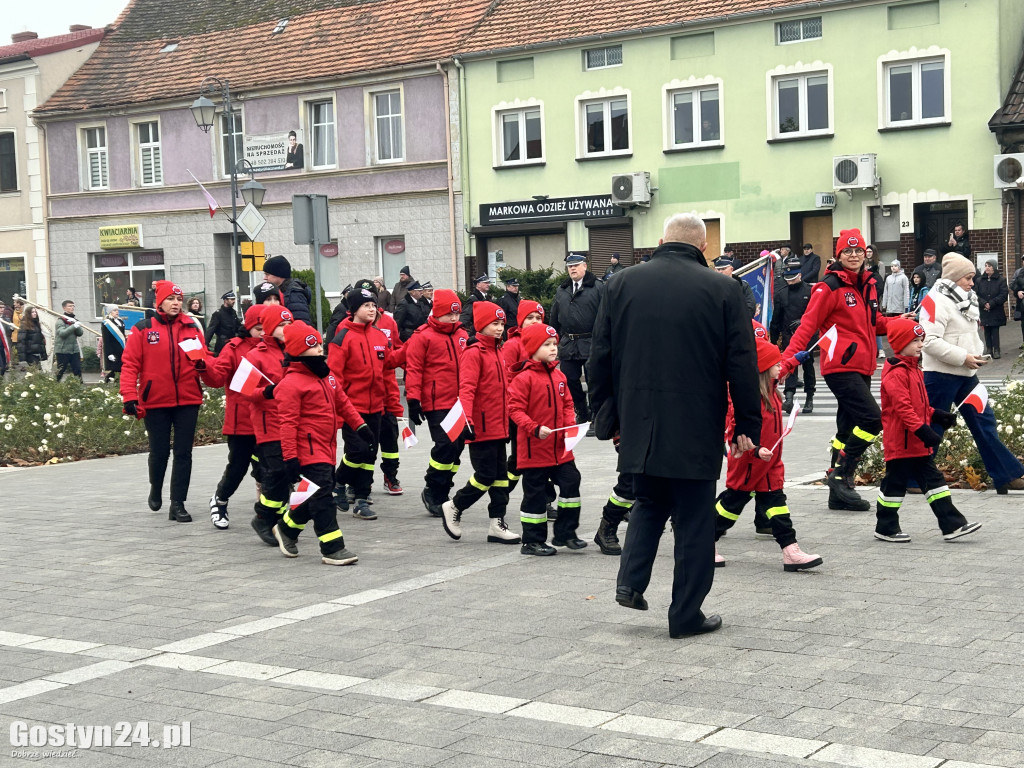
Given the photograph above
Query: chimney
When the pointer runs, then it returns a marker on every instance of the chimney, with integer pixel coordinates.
(79, 27)
(21, 37)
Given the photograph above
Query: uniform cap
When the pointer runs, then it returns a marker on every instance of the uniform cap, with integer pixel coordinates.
(791, 267)
(446, 301)
(482, 279)
(272, 316)
(534, 336)
(901, 331)
(767, 354)
(300, 336)
(512, 281)
(575, 257)
(485, 313)
(415, 286)
(724, 261)
(526, 308)
(228, 295)
(427, 286)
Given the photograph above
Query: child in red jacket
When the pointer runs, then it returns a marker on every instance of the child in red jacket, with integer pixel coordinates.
(432, 362)
(484, 396)
(393, 411)
(909, 440)
(540, 404)
(310, 401)
(760, 473)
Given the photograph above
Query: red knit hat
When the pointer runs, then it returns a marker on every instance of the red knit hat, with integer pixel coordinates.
(300, 336)
(534, 336)
(252, 316)
(272, 316)
(850, 238)
(445, 303)
(485, 313)
(901, 331)
(767, 355)
(526, 308)
(166, 289)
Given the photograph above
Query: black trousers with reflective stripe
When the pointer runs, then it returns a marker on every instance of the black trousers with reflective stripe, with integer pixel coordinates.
(241, 449)
(513, 463)
(894, 486)
(857, 408)
(319, 508)
(490, 470)
(273, 500)
(389, 445)
(612, 512)
(359, 477)
(160, 423)
(734, 501)
(440, 482)
(536, 481)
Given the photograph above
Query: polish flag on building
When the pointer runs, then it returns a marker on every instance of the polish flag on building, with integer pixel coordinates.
(247, 378)
(977, 399)
(193, 348)
(454, 422)
(210, 202)
(828, 341)
(573, 435)
(409, 437)
(302, 493)
(928, 308)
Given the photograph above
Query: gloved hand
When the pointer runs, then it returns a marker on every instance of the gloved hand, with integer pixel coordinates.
(111, 358)
(131, 408)
(200, 364)
(292, 468)
(928, 436)
(366, 435)
(944, 419)
(268, 391)
(802, 356)
(415, 412)
(467, 433)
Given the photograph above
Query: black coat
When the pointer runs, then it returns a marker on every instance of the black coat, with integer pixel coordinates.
(749, 299)
(810, 267)
(790, 303)
(112, 346)
(410, 315)
(575, 316)
(1017, 284)
(991, 290)
(224, 324)
(31, 344)
(510, 303)
(466, 318)
(671, 342)
(295, 295)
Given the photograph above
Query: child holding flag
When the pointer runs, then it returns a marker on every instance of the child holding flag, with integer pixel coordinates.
(541, 407)
(761, 474)
(909, 440)
(310, 401)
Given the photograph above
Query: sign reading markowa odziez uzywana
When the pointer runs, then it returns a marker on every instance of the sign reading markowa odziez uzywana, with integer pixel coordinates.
(552, 209)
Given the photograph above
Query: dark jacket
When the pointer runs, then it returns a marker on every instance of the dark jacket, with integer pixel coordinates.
(963, 245)
(991, 290)
(31, 342)
(574, 316)
(466, 318)
(295, 295)
(613, 269)
(340, 313)
(810, 268)
(749, 300)
(510, 303)
(671, 343)
(790, 303)
(224, 324)
(113, 344)
(410, 315)
(1017, 284)
(399, 292)
(930, 273)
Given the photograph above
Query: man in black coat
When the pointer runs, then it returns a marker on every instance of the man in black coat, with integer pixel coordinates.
(510, 303)
(573, 314)
(725, 266)
(671, 343)
(792, 295)
(411, 312)
(479, 293)
(810, 267)
(224, 323)
(295, 294)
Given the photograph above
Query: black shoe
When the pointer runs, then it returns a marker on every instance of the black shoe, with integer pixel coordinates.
(362, 511)
(341, 498)
(842, 497)
(808, 404)
(607, 538)
(264, 530)
(787, 404)
(285, 544)
(996, 354)
(537, 548)
(178, 513)
(571, 542)
(709, 624)
(155, 502)
(591, 430)
(630, 598)
(431, 507)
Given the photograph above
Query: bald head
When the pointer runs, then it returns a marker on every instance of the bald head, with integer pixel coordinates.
(686, 228)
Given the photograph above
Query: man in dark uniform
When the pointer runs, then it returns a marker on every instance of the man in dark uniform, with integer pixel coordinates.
(224, 324)
(791, 297)
(573, 314)
(810, 267)
(725, 266)
(510, 303)
(411, 312)
(479, 293)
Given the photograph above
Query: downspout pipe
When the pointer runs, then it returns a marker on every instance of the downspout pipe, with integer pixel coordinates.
(451, 177)
(463, 153)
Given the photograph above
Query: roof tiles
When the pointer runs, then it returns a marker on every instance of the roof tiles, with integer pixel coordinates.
(45, 45)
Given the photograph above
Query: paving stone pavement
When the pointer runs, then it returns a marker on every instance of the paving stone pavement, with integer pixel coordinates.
(432, 652)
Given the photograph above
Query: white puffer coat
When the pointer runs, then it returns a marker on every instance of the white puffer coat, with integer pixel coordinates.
(950, 336)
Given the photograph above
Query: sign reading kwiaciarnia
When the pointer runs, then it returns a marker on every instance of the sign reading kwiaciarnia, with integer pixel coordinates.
(119, 237)
(550, 209)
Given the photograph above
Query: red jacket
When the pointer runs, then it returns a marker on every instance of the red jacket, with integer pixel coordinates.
(433, 357)
(905, 408)
(850, 301)
(749, 473)
(154, 369)
(268, 357)
(218, 373)
(357, 355)
(512, 351)
(392, 394)
(483, 389)
(308, 411)
(539, 397)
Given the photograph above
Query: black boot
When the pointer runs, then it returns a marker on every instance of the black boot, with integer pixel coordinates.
(607, 538)
(996, 354)
(841, 482)
(809, 403)
(155, 501)
(787, 404)
(178, 513)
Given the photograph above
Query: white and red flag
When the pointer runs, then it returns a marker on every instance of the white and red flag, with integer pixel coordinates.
(977, 399)
(828, 341)
(409, 437)
(193, 348)
(574, 434)
(302, 493)
(454, 422)
(789, 426)
(247, 378)
(928, 308)
(210, 202)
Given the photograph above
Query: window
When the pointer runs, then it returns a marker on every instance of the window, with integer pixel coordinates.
(915, 92)
(320, 116)
(95, 158)
(694, 117)
(606, 127)
(387, 125)
(8, 163)
(600, 58)
(150, 168)
(391, 257)
(231, 139)
(798, 30)
(519, 133)
(802, 105)
(3, 99)
(114, 273)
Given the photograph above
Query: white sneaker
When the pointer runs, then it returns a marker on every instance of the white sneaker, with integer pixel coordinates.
(719, 560)
(218, 512)
(896, 538)
(962, 531)
(499, 532)
(451, 519)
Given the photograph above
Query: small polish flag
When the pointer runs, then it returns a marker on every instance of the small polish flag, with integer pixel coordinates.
(210, 202)
(977, 399)
(928, 308)
(454, 422)
(409, 437)
(193, 348)
(247, 378)
(789, 426)
(573, 435)
(302, 493)
(828, 341)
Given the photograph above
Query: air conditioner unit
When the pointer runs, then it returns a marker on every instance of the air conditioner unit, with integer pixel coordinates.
(854, 172)
(631, 189)
(1008, 171)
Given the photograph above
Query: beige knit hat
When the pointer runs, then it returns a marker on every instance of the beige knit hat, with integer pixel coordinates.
(955, 266)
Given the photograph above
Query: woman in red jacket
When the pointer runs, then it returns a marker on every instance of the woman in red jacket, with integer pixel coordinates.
(160, 384)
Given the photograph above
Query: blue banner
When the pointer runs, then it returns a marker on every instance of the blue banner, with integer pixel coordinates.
(760, 279)
(130, 316)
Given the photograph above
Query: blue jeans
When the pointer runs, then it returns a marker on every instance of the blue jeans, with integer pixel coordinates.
(944, 390)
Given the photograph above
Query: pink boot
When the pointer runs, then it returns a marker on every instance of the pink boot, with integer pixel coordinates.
(719, 560)
(794, 559)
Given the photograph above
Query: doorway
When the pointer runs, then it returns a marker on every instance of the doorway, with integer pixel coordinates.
(714, 235)
(814, 227)
(933, 224)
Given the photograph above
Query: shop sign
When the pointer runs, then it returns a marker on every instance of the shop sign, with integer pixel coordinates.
(825, 200)
(551, 209)
(395, 246)
(121, 237)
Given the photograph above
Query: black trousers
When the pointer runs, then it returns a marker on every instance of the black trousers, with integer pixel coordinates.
(389, 445)
(241, 454)
(991, 337)
(730, 504)
(690, 505)
(621, 500)
(319, 508)
(808, 369)
(444, 459)
(858, 416)
(356, 467)
(68, 360)
(275, 490)
(160, 423)
(894, 487)
(533, 511)
(574, 371)
(513, 463)
(490, 476)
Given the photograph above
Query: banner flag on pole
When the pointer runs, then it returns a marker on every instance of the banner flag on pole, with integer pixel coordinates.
(247, 378)
(454, 422)
(977, 399)
(574, 434)
(828, 341)
(789, 426)
(210, 202)
(193, 348)
(928, 308)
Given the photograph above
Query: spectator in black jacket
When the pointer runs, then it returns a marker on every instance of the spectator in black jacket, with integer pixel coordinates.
(959, 241)
(295, 294)
(224, 323)
(479, 293)
(992, 294)
(930, 270)
(810, 267)
(510, 303)
(573, 314)
(412, 312)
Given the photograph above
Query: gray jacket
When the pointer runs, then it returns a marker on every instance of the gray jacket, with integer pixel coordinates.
(67, 332)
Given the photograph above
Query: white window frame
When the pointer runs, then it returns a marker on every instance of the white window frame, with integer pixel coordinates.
(3, 99)
(605, 48)
(307, 116)
(916, 58)
(139, 150)
(17, 163)
(802, 39)
(519, 108)
(801, 72)
(85, 154)
(373, 122)
(695, 86)
(221, 156)
(605, 97)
